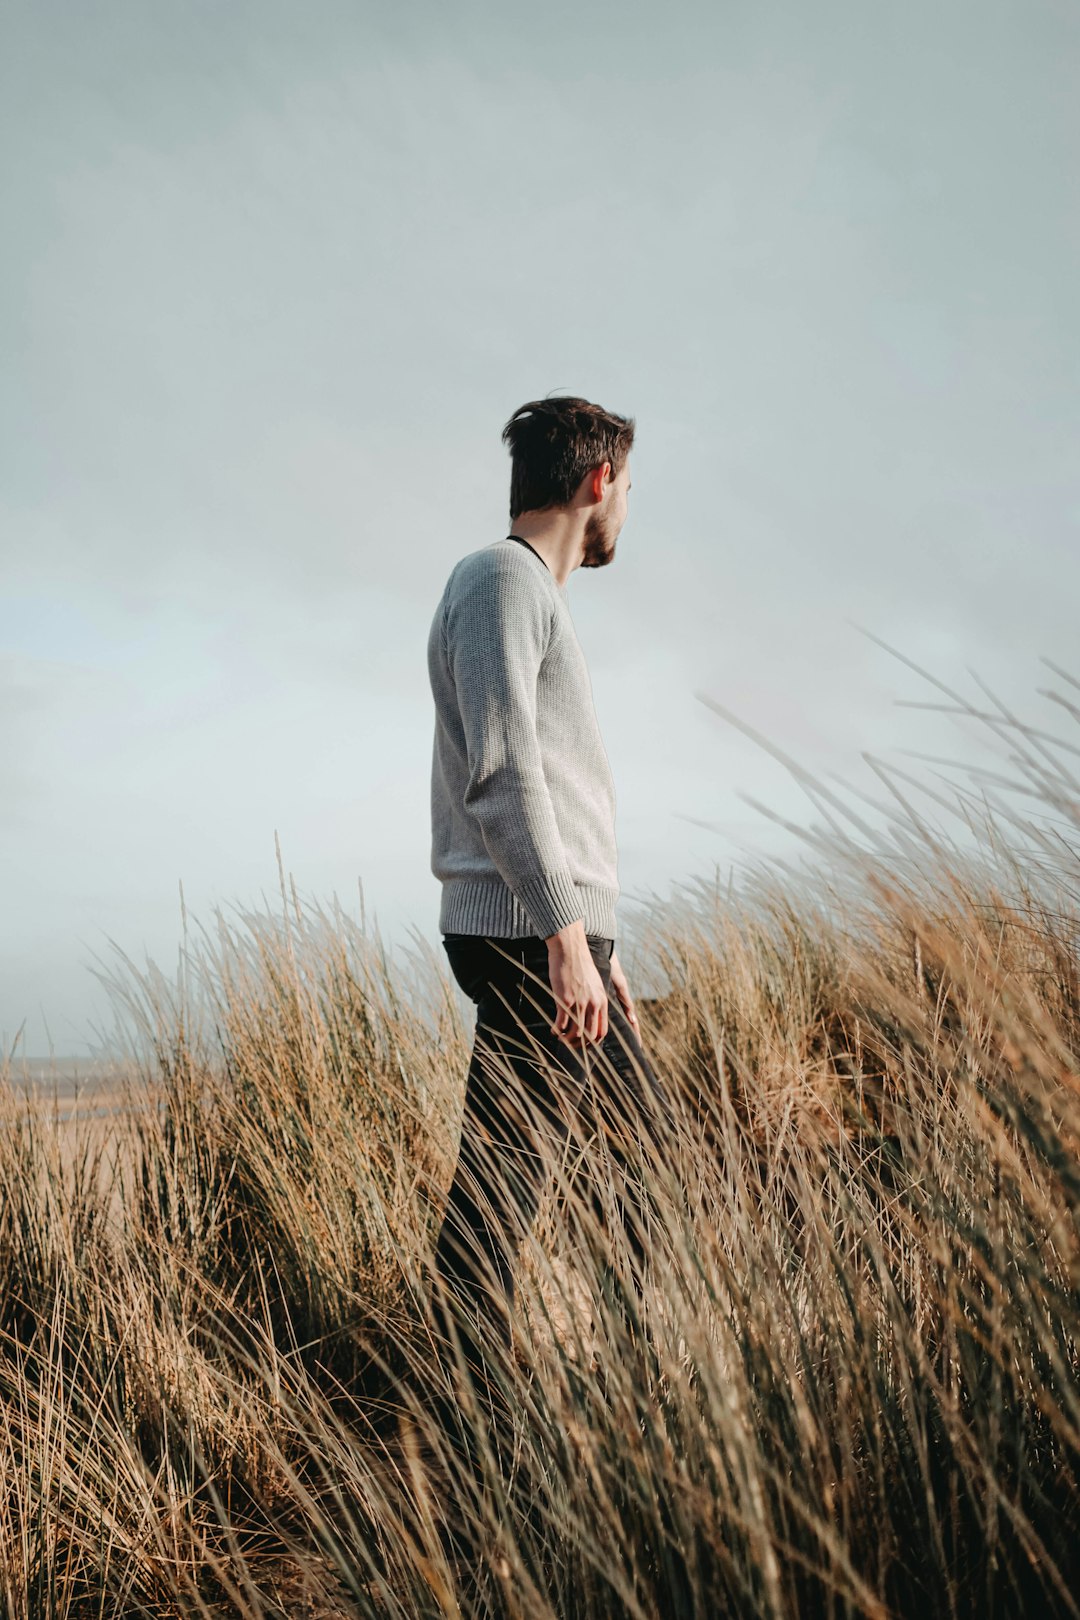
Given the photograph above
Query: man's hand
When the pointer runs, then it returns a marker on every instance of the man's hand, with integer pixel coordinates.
(577, 987)
(622, 990)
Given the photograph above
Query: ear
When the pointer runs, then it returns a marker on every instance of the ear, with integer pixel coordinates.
(599, 479)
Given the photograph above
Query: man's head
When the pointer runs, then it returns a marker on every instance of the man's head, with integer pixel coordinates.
(568, 452)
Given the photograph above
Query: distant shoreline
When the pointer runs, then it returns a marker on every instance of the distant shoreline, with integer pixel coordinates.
(69, 1077)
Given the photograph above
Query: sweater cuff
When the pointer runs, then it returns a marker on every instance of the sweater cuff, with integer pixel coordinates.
(551, 901)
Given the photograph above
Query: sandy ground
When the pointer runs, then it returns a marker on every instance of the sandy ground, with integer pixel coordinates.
(85, 1101)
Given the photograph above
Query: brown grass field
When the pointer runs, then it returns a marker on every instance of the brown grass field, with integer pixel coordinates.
(851, 1386)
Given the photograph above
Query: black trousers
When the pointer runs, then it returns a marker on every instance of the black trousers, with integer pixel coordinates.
(528, 1097)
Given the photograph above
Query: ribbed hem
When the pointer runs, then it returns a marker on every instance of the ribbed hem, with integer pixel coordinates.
(489, 906)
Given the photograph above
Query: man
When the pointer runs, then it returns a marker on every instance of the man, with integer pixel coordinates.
(523, 842)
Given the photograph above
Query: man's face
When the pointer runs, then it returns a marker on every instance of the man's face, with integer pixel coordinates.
(602, 526)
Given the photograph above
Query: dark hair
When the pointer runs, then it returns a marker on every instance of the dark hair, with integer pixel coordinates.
(554, 443)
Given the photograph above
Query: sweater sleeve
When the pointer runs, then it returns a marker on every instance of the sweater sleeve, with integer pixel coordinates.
(497, 628)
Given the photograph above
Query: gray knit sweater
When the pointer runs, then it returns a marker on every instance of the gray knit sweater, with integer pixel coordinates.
(522, 799)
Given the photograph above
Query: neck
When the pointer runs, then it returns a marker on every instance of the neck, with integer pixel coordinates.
(558, 535)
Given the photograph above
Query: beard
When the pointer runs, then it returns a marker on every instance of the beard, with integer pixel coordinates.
(599, 547)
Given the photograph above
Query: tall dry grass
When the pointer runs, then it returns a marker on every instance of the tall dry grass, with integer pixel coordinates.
(851, 1386)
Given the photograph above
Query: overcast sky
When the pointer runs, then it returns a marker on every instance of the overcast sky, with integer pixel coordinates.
(275, 275)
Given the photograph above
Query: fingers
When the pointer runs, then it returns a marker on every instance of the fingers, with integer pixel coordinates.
(575, 1029)
(626, 1002)
(562, 1028)
(596, 1028)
